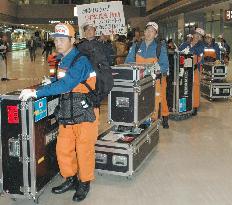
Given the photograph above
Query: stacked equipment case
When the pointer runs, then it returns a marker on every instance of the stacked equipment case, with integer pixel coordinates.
(180, 85)
(213, 81)
(27, 145)
(124, 147)
(132, 98)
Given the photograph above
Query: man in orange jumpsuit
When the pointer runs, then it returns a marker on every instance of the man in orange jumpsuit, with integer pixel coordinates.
(147, 53)
(75, 143)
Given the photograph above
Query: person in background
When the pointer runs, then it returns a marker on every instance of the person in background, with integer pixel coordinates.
(135, 38)
(146, 53)
(90, 44)
(171, 45)
(3, 57)
(48, 48)
(108, 47)
(75, 147)
(121, 49)
(32, 48)
(224, 49)
(196, 47)
(189, 37)
(211, 49)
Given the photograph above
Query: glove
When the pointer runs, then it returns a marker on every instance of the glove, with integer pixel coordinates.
(46, 81)
(185, 51)
(27, 94)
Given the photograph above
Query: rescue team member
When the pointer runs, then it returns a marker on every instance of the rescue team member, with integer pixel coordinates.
(147, 54)
(75, 143)
(196, 47)
(211, 50)
(98, 50)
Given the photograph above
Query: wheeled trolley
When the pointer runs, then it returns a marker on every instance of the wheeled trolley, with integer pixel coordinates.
(180, 85)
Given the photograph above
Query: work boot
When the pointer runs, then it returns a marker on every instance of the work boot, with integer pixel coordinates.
(165, 122)
(194, 113)
(82, 190)
(69, 184)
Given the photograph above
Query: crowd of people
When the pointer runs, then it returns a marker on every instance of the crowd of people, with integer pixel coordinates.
(75, 142)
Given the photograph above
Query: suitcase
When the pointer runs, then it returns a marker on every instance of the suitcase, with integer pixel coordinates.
(131, 72)
(215, 90)
(27, 145)
(123, 155)
(180, 85)
(131, 105)
(212, 71)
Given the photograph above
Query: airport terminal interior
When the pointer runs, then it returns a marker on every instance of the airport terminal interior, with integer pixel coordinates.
(192, 162)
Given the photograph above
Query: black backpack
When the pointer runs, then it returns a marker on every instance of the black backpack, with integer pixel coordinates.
(104, 78)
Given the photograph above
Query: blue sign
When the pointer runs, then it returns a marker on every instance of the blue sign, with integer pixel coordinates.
(182, 105)
(40, 107)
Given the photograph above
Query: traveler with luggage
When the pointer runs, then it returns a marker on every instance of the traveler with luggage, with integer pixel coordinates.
(196, 47)
(151, 50)
(77, 137)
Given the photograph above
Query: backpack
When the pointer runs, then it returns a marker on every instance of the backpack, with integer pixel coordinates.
(104, 78)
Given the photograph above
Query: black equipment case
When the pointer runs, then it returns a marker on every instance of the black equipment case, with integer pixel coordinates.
(131, 72)
(215, 89)
(122, 154)
(130, 104)
(180, 85)
(27, 145)
(212, 71)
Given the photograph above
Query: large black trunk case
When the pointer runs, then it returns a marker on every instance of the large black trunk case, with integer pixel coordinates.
(124, 158)
(27, 146)
(215, 90)
(180, 84)
(131, 105)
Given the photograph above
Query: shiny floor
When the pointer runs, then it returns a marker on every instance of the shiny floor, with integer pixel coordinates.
(192, 164)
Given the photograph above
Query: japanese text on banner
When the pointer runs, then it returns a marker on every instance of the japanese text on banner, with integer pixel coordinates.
(108, 17)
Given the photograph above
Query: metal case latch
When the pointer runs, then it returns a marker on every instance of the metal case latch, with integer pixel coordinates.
(14, 147)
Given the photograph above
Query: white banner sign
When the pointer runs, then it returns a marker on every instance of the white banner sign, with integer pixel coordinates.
(108, 17)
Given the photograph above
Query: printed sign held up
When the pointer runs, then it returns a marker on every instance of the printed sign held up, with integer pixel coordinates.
(108, 17)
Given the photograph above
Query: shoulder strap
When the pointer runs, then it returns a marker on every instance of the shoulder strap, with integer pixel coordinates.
(137, 46)
(158, 48)
(76, 58)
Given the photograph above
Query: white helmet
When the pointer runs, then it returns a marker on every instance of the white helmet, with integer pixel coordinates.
(153, 24)
(200, 31)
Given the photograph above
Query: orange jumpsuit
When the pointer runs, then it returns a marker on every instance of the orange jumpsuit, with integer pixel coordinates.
(196, 82)
(75, 144)
(161, 87)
